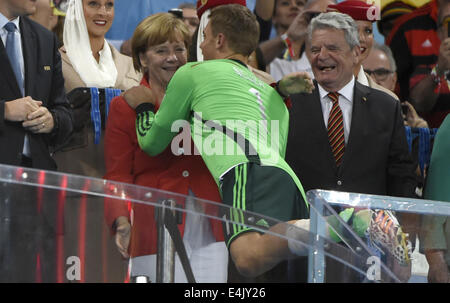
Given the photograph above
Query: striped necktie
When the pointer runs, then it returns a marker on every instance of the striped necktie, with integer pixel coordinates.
(336, 129)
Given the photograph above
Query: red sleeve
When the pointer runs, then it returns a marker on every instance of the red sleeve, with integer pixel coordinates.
(287, 100)
(120, 151)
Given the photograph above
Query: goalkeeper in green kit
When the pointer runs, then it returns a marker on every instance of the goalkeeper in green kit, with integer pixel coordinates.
(239, 125)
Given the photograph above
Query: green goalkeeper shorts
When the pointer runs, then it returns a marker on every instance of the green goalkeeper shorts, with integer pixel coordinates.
(263, 190)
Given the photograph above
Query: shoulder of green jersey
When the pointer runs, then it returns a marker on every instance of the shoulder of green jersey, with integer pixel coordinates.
(248, 75)
(196, 64)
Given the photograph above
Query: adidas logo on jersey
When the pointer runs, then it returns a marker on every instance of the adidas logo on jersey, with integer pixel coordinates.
(427, 43)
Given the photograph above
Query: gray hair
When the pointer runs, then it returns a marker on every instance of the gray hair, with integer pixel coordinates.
(387, 51)
(337, 21)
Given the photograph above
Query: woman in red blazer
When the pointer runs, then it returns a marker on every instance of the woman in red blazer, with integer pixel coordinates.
(159, 47)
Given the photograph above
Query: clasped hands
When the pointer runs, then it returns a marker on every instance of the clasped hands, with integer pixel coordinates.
(34, 117)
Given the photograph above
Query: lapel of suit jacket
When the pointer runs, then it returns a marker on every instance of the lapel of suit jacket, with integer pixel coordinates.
(7, 72)
(360, 122)
(30, 50)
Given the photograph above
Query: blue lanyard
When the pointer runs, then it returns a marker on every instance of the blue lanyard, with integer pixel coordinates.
(424, 148)
(95, 114)
(110, 93)
(425, 136)
(409, 137)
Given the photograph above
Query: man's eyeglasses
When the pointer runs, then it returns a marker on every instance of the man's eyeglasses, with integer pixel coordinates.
(380, 74)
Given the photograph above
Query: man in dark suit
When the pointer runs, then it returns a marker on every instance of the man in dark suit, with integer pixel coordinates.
(34, 115)
(346, 136)
(34, 112)
(372, 156)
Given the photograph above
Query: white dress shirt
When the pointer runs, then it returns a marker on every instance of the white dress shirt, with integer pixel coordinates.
(345, 103)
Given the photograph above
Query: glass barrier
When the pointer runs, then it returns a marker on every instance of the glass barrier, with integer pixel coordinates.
(395, 232)
(59, 228)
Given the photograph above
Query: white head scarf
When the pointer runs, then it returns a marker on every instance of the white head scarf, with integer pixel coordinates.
(204, 20)
(76, 42)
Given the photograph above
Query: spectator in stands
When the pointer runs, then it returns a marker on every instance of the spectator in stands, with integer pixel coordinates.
(380, 65)
(89, 61)
(430, 85)
(264, 11)
(359, 11)
(60, 11)
(190, 17)
(59, 29)
(283, 65)
(44, 14)
(285, 13)
(188, 14)
(275, 55)
(159, 48)
(415, 43)
(50, 17)
(391, 10)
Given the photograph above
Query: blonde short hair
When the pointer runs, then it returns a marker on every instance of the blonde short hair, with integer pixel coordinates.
(157, 29)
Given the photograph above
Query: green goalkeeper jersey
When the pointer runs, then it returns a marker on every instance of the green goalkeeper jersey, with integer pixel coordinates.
(234, 118)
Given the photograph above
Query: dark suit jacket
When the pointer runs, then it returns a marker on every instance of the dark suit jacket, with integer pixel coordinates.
(43, 82)
(376, 159)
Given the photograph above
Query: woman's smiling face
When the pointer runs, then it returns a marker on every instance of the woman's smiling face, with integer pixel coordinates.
(365, 38)
(99, 16)
(163, 60)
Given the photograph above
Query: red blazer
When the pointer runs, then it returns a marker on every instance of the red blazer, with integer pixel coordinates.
(126, 162)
